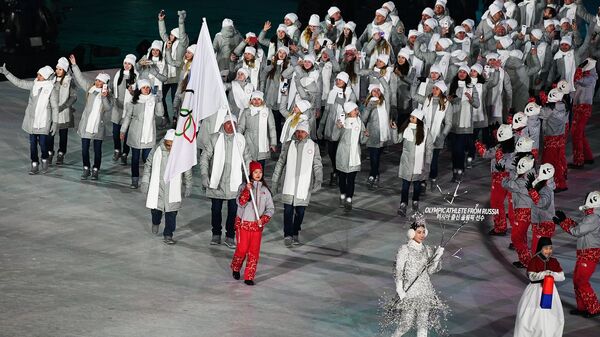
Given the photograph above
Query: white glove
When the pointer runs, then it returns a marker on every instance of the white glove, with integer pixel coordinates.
(401, 293)
(439, 252)
(3, 69)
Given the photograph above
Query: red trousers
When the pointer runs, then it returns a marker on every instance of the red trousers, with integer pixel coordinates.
(587, 259)
(497, 197)
(581, 147)
(554, 153)
(543, 229)
(518, 235)
(248, 244)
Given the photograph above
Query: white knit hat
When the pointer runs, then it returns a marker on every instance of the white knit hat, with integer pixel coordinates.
(257, 94)
(170, 135)
(382, 11)
(435, 69)
(191, 49)
(428, 11)
(350, 47)
(303, 104)
(525, 164)
(46, 72)
(350, 25)
(432, 23)
(349, 106)
(519, 121)
(464, 68)
(157, 44)
(504, 132)
(63, 63)
(565, 20)
(130, 58)
(548, 23)
(404, 52)
(343, 76)
(524, 144)
(303, 126)
(385, 58)
(284, 49)
(478, 68)
(441, 3)
(227, 23)
(315, 20)
(230, 118)
(512, 23)
(250, 50)
(567, 40)
(374, 86)
(390, 6)
(441, 85)
(250, 34)
(414, 32)
(244, 71)
(459, 29)
(492, 56)
(309, 58)
(292, 17)
(332, 10)
(143, 83)
(418, 114)
(532, 109)
(591, 201)
(494, 9)
(469, 22)
(104, 77)
(175, 32)
(282, 27)
(445, 43)
(537, 33)
(555, 95)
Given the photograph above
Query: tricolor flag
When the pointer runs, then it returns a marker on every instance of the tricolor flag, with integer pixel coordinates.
(547, 290)
(204, 96)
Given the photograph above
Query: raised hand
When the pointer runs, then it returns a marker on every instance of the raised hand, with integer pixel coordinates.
(72, 59)
(161, 15)
(267, 26)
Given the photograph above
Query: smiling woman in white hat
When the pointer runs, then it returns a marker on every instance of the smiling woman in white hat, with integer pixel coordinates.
(123, 85)
(41, 114)
(91, 126)
(139, 123)
(67, 96)
(257, 124)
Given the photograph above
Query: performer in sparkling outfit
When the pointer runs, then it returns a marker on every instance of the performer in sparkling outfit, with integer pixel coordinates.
(416, 304)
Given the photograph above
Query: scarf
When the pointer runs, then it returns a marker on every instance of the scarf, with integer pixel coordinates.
(416, 63)
(570, 11)
(541, 51)
(466, 118)
(435, 37)
(299, 187)
(241, 96)
(338, 92)
(326, 72)
(497, 92)
(569, 62)
(443, 61)
(353, 124)
(254, 71)
(41, 90)
(291, 30)
(93, 121)
(127, 98)
(289, 127)
(148, 127)
(218, 165)
(409, 135)
(292, 91)
(422, 90)
(529, 8)
(383, 118)
(433, 117)
(478, 115)
(154, 186)
(465, 44)
(63, 96)
(263, 115)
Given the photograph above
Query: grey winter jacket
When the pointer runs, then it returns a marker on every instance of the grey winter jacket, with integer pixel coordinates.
(206, 161)
(370, 117)
(446, 127)
(330, 116)
(118, 105)
(271, 85)
(543, 211)
(264, 203)
(316, 178)
(518, 187)
(163, 194)
(344, 137)
(554, 120)
(134, 123)
(224, 44)
(51, 109)
(519, 78)
(584, 93)
(457, 113)
(587, 231)
(248, 126)
(407, 160)
(85, 85)
(67, 96)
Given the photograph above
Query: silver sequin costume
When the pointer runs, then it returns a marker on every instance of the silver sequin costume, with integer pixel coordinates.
(421, 308)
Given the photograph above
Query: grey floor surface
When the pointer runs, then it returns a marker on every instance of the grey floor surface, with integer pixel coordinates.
(78, 258)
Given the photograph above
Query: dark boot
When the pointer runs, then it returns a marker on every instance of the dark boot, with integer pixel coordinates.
(50, 157)
(86, 173)
(95, 172)
(236, 275)
(124, 159)
(333, 179)
(134, 183)
(45, 164)
(60, 158)
(116, 155)
(35, 168)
